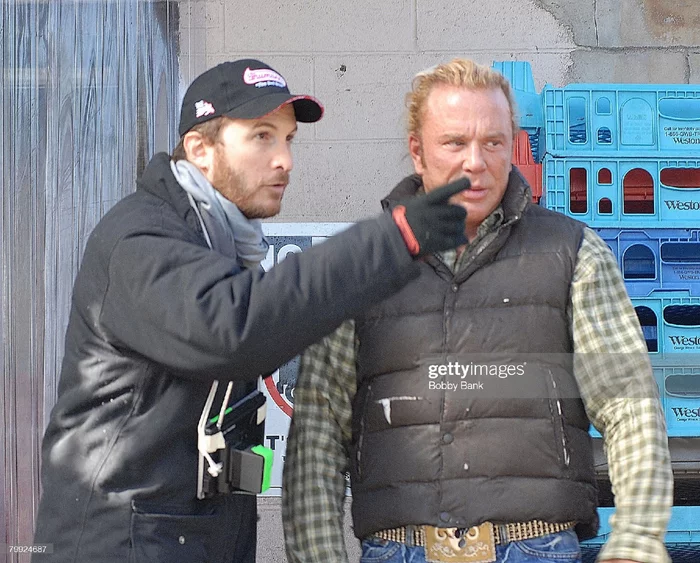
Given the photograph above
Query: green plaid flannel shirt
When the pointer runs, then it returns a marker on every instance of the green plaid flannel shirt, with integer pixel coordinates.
(624, 407)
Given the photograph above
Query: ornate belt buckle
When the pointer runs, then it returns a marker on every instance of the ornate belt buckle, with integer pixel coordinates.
(475, 545)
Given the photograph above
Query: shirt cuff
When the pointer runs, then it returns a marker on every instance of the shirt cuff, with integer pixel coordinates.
(635, 547)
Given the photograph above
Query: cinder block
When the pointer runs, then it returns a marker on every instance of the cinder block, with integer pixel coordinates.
(364, 95)
(652, 66)
(202, 30)
(338, 181)
(214, 39)
(497, 24)
(191, 66)
(214, 14)
(191, 42)
(192, 25)
(270, 548)
(297, 26)
(579, 17)
(694, 62)
(201, 13)
(647, 23)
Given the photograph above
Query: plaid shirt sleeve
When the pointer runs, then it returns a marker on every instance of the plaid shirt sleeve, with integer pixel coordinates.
(316, 459)
(615, 378)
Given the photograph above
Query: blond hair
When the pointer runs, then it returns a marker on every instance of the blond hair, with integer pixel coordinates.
(462, 73)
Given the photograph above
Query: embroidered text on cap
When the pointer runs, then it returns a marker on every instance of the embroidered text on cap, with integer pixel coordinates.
(263, 77)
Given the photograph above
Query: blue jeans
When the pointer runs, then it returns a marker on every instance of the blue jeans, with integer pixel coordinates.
(562, 547)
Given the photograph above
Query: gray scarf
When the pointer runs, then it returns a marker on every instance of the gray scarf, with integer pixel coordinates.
(226, 229)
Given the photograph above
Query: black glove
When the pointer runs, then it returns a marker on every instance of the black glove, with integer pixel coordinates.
(429, 223)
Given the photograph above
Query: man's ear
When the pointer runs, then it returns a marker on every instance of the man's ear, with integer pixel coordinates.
(199, 152)
(415, 148)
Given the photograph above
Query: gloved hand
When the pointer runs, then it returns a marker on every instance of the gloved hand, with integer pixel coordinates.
(429, 223)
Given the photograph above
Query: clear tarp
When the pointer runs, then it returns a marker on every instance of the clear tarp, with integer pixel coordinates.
(89, 92)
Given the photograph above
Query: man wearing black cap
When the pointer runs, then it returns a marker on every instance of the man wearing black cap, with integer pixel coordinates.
(170, 299)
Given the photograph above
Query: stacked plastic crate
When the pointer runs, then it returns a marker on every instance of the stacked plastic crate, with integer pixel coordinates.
(527, 146)
(625, 159)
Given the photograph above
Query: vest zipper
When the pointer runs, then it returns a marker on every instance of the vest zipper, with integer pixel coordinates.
(361, 436)
(558, 421)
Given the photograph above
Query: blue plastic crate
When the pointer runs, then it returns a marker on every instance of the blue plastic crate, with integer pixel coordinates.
(681, 399)
(670, 321)
(683, 528)
(656, 259)
(624, 192)
(529, 102)
(661, 120)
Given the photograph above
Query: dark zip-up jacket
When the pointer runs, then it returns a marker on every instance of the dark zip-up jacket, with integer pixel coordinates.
(514, 451)
(156, 316)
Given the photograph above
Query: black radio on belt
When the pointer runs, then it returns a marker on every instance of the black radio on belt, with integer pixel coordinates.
(236, 457)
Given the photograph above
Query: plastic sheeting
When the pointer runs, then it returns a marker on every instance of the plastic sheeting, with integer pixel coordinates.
(89, 93)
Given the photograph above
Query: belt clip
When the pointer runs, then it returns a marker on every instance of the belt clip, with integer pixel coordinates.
(207, 445)
(410, 536)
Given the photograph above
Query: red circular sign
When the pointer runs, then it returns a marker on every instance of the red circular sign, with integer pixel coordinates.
(279, 400)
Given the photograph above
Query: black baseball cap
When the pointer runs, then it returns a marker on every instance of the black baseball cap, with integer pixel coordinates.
(243, 89)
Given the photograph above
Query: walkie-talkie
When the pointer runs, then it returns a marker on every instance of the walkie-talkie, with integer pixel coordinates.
(237, 459)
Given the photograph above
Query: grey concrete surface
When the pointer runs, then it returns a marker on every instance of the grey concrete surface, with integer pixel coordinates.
(645, 66)
(487, 26)
(271, 539)
(694, 68)
(358, 59)
(578, 17)
(647, 23)
(297, 26)
(364, 94)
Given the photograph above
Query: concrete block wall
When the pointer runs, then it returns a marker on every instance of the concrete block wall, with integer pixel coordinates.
(359, 57)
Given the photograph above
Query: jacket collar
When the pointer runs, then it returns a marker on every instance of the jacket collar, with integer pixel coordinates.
(158, 180)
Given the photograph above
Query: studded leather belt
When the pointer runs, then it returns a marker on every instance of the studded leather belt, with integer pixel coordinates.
(502, 533)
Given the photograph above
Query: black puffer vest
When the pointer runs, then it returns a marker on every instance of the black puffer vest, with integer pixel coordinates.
(455, 458)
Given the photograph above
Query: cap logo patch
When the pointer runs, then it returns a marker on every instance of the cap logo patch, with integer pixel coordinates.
(263, 77)
(203, 108)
